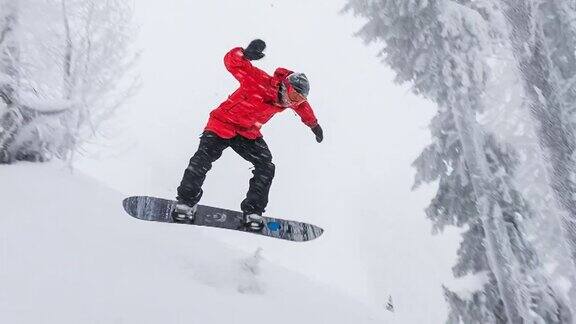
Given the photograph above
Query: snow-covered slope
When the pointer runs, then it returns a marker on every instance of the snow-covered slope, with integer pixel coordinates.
(69, 254)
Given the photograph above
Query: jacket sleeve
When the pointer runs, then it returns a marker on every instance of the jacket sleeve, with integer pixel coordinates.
(306, 114)
(242, 69)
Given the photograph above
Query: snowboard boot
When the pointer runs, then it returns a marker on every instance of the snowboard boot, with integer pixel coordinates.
(184, 213)
(253, 222)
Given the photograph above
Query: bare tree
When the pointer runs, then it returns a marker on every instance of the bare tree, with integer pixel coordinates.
(74, 69)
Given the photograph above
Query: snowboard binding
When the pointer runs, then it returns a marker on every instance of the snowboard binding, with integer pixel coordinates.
(183, 213)
(254, 222)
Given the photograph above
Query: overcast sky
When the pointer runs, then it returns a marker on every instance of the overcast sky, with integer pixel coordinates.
(356, 184)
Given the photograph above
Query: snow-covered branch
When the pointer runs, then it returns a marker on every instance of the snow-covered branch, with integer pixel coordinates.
(76, 65)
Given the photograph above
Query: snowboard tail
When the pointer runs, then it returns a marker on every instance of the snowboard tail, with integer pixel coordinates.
(160, 210)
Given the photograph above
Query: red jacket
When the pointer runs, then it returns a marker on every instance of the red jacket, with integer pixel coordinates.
(254, 102)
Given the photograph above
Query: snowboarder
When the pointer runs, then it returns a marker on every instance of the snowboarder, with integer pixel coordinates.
(236, 123)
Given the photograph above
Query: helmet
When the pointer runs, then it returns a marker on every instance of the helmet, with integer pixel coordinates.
(300, 83)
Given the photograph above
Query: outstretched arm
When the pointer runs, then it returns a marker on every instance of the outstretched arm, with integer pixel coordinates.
(237, 62)
(304, 110)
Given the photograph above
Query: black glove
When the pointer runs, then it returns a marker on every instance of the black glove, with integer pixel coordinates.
(254, 50)
(317, 130)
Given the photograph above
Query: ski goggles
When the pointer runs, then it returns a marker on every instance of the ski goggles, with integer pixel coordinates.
(294, 97)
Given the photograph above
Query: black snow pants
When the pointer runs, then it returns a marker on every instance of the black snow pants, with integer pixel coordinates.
(210, 149)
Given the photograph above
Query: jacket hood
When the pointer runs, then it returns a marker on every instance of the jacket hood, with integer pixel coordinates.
(282, 73)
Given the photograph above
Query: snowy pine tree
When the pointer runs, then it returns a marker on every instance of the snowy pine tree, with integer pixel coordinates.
(441, 47)
(543, 38)
(250, 270)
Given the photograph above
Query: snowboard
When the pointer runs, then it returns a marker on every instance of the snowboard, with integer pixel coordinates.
(160, 210)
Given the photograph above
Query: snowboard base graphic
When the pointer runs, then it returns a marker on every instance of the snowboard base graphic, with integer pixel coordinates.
(160, 210)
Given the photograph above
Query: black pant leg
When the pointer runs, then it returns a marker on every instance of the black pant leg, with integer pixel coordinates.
(256, 152)
(210, 149)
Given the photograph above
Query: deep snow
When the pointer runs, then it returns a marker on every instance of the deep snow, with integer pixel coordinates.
(69, 254)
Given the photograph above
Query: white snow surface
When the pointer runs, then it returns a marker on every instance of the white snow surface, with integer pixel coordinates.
(69, 254)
